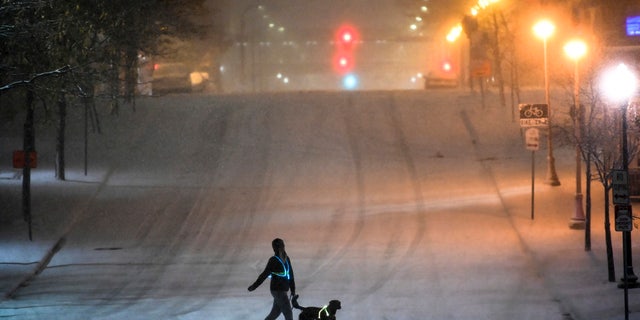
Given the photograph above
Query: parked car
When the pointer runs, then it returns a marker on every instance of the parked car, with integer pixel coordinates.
(442, 77)
(171, 77)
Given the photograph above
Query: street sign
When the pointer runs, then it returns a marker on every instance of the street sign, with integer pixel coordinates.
(620, 194)
(534, 115)
(620, 186)
(619, 177)
(480, 68)
(534, 122)
(532, 139)
(624, 221)
(19, 159)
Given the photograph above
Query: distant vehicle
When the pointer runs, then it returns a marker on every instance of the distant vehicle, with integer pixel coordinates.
(171, 77)
(442, 77)
(177, 77)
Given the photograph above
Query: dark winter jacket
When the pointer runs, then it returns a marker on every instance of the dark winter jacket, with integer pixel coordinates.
(281, 273)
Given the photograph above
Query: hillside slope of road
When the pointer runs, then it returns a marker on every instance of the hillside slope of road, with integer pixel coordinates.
(401, 204)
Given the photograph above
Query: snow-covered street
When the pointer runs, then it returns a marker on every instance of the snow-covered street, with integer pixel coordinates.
(404, 205)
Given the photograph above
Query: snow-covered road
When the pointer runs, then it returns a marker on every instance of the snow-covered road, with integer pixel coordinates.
(403, 205)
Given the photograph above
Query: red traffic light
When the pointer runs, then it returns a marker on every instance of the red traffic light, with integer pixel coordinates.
(447, 67)
(347, 35)
(343, 62)
(346, 38)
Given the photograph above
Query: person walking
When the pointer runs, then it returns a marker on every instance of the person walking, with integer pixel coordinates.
(282, 280)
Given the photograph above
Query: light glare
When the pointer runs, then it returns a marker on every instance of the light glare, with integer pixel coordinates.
(544, 29)
(619, 84)
(455, 33)
(575, 49)
(350, 82)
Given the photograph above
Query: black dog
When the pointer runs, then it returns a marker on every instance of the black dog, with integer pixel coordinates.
(315, 313)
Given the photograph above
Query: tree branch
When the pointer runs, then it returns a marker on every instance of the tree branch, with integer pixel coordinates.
(56, 72)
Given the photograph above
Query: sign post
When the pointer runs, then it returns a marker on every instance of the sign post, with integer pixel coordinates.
(533, 116)
(532, 140)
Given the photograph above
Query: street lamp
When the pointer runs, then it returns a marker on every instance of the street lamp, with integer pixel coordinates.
(453, 36)
(619, 86)
(245, 40)
(544, 29)
(576, 49)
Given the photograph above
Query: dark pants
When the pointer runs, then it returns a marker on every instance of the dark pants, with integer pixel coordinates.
(281, 304)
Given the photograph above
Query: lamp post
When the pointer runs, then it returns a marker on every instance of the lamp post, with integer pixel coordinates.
(619, 85)
(576, 49)
(544, 29)
(452, 37)
(244, 41)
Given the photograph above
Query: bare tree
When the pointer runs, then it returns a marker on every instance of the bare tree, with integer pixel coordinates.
(91, 38)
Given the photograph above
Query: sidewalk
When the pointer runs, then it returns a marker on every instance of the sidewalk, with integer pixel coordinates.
(577, 278)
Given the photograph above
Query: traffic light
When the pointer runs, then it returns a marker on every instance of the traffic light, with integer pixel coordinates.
(346, 38)
(343, 62)
(446, 66)
(350, 81)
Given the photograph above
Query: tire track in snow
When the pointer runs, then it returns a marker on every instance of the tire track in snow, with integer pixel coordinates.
(405, 151)
(351, 129)
(391, 113)
(215, 210)
(213, 232)
(360, 186)
(184, 231)
(320, 120)
(359, 176)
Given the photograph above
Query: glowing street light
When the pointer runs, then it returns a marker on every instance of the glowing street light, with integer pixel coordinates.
(619, 85)
(481, 5)
(576, 49)
(544, 29)
(454, 33)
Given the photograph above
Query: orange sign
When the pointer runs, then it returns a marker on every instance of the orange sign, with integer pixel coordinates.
(19, 159)
(481, 68)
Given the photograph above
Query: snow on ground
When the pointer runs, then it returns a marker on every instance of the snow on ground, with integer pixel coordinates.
(403, 205)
